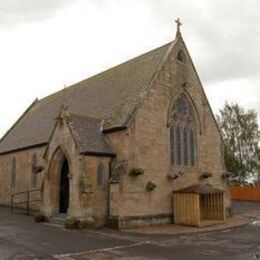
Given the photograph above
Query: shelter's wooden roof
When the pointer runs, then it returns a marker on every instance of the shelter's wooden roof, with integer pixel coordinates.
(200, 189)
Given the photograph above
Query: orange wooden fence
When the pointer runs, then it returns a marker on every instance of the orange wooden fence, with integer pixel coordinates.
(248, 193)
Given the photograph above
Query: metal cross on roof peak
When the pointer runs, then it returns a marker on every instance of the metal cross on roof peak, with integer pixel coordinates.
(179, 24)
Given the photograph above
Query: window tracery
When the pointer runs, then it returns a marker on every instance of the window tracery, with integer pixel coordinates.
(182, 134)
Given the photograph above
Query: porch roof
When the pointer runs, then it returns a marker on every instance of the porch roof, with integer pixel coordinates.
(200, 189)
(88, 134)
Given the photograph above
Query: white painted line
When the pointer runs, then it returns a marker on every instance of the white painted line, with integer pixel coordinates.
(256, 222)
(100, 250)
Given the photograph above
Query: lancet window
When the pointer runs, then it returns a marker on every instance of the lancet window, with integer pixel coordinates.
(182, 134)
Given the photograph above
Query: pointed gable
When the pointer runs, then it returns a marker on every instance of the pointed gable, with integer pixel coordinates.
(87, 132)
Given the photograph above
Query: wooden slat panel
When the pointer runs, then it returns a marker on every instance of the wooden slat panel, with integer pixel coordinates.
(186, 208)
(245, 193)
(191, 208)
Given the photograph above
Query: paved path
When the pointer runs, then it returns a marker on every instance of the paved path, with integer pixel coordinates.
(21, 238)
(249, 208)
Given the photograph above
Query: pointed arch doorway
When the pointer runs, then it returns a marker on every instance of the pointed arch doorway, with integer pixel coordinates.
(64, 188)
(56, 187)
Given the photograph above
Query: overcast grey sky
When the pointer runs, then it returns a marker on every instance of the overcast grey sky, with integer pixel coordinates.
(46, 44)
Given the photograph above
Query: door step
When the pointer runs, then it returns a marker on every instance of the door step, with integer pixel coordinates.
(59, 219)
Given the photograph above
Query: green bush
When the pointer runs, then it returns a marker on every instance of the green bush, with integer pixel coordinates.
(71, 223)
(83, 224)
(40, 217)
(150, 186)
(136, 171)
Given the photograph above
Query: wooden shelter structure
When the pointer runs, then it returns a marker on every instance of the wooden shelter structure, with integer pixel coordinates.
(198, 205)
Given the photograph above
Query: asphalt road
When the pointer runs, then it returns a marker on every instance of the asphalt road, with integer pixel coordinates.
(21, 238)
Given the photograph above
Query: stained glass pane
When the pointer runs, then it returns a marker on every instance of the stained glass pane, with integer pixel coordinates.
(182, 139)
(13, 172)
(182, 107)
(33, 174)
(192, 148)
(172, 146)
(185, 147)
(178, 144)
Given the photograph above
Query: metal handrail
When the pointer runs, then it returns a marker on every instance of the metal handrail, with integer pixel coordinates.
(27, 201)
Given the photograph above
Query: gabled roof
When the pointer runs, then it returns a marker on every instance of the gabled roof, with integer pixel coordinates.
(111, 95)
(200, 189)
(88, 135)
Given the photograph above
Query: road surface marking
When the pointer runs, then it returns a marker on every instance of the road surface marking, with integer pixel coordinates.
(100, 250)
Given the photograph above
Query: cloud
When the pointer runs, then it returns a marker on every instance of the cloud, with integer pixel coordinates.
(224, 33)
(15, 12)
(231, 41)
(69, 40)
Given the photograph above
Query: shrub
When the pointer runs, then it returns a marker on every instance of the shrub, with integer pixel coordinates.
(150, 186)
(136, 171)
(71, 223)
(83, 224)
(40, 217)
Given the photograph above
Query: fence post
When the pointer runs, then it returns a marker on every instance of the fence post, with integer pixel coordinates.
(27, 203)
(12, 203)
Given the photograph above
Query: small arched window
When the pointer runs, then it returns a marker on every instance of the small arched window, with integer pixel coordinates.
(180, 56)
(13, 172)
(101, 176)
(33, 173)
(182, 134)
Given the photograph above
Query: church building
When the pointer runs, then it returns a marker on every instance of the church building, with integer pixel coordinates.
(112, 149)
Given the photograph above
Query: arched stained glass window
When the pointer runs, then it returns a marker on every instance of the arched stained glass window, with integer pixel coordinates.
(172, 146)
(178, 145)
(185, 148)
(33, 173)
(192, 148)
(13, 172)
(182, 134)
(101, 176)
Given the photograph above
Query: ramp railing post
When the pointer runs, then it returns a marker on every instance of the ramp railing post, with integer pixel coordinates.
(12, 196)
(27, 203)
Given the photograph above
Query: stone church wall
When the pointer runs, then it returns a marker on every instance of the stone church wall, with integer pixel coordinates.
(99, 191)
(146, 145)
(23, 175)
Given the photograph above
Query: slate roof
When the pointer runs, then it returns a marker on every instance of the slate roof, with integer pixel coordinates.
(200, 189)
(111, 95)
(88, 135)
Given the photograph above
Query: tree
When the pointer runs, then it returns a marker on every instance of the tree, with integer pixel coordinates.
(241, 137)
